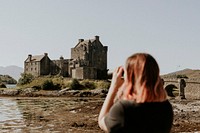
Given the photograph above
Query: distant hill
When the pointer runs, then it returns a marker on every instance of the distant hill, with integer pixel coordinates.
(13, 71)
(6, 79)
(191, 74)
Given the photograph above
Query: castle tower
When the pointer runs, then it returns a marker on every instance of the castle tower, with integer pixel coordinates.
(92, 55)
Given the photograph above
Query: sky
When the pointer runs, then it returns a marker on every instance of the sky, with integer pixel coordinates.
(167, 29)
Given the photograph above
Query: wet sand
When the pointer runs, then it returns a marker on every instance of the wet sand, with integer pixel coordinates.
(79, 115)
(55, 115)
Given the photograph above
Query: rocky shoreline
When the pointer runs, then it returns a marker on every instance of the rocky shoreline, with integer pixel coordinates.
(32, 92)
(82, 117)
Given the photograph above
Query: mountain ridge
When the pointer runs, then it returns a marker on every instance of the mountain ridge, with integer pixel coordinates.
(190, 73)
(12, 70)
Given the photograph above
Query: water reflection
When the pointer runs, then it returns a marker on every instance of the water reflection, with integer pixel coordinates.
(33, 114)
(9, 110)
(11, 85)
(10, 116)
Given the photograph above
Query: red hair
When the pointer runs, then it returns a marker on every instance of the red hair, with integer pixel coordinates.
(143, 82)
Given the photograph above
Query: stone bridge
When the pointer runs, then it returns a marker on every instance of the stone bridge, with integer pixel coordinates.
(182, 88)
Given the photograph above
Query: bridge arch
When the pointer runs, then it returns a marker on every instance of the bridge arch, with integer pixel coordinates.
(172, 90)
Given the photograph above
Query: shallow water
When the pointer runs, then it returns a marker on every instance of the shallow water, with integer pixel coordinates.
(17, 115)
(9, 110)
(11, 118)
(11, 85)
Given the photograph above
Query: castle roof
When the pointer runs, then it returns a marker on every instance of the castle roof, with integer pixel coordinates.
(87, 42)
(35, 58)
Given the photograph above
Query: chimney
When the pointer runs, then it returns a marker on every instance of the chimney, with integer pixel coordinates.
(80, 40)
(29, 57)
(45, 54)
(61, 58)
(97, 38)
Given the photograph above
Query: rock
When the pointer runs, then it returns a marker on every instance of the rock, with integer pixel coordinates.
(78, 124)
(63, 91)
(85, 93)
(99, 92)
(10, 92)
(28, 92)
(2, 85)
(69, 93)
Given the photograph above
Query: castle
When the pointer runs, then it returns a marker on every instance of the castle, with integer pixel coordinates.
(88, 61)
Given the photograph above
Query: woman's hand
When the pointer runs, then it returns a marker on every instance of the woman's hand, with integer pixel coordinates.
(117, 79)
(116, 83)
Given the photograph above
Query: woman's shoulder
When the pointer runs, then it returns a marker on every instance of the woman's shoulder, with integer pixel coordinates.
(133, 104)
(127, 103)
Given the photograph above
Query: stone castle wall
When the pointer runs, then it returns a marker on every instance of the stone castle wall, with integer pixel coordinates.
(88, 61)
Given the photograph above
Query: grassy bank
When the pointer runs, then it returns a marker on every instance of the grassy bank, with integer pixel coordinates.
(56, 83)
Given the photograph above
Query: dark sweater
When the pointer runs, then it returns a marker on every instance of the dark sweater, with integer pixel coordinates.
(130, 117)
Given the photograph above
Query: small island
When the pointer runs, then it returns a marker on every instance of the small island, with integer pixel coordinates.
(6, 79)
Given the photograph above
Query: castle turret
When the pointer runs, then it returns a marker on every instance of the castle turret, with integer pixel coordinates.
(61, 58)
(29, 57)
(80, 40)
(97, 38)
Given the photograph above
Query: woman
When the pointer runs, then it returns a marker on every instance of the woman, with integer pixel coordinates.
(136, 102)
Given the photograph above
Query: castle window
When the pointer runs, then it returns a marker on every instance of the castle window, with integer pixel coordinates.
(84, 48)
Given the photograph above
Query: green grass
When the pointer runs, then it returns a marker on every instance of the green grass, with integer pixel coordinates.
(66, 83)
